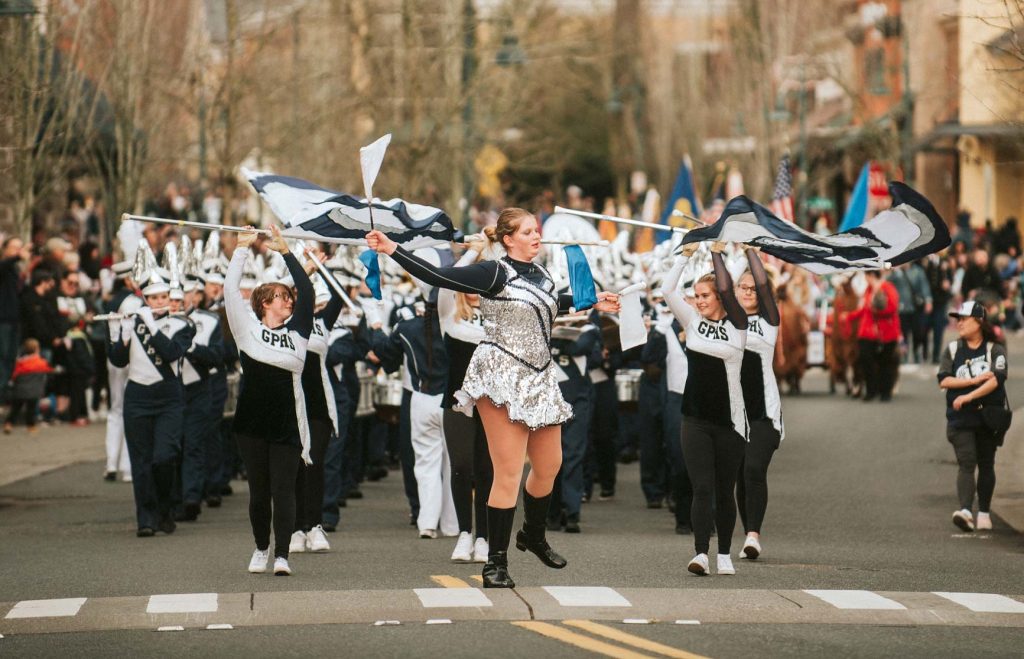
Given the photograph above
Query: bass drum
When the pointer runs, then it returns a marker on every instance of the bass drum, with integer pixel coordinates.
(627, 387)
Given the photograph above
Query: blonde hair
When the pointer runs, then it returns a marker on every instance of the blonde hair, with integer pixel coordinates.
(508, 223)
(708, 278)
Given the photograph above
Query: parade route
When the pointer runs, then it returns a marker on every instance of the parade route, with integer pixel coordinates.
(860, 559)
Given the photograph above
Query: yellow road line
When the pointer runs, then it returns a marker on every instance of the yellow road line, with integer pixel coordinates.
(579, 640)
(477, 578)
(449, 581)
(629, 639)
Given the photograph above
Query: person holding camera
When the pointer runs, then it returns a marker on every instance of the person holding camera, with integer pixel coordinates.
(878, 336)
(973, 374)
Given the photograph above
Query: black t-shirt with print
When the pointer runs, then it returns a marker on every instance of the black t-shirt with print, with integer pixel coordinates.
(967, 363)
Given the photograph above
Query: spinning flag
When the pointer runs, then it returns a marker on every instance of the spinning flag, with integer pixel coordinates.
(683, 198)
(581, 279)
(906, 232)
(369, 259)
(314, 213)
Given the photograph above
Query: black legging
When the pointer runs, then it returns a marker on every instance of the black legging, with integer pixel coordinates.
(309, 482)
(471, 466)
(879, 364)
(713, 454)
(272, 469)
(752, 484)
(975, 449)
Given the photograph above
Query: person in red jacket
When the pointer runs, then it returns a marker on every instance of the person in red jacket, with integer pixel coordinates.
(878, 337)
(28, 384)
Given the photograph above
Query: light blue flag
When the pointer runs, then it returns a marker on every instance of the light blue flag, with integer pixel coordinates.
(857, 209)
(369, 259)
(581, 280)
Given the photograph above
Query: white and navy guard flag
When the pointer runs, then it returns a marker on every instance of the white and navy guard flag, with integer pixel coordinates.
(314, 213)
(909, 230)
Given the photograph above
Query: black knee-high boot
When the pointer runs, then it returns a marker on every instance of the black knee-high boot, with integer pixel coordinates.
(499, 532)
(535, 512)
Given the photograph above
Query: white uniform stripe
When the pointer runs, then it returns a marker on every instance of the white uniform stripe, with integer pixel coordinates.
(185, 603)
(984, 602)
(56, 608)
(856, 599)
(586, 596)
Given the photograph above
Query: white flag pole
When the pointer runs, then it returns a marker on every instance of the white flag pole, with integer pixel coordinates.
(370, 159)
(620, 220)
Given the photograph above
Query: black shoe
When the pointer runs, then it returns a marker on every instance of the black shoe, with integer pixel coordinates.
(329, 528)
(868, 398)
(226, 491)
(343, 503)
(495, 571)
(145, 532)
(535, 513)
(541, 549)
(606, 495)
(110, 476)
(213, 501)
(166, 525)
(885, 398)
(554, 524)
(572, 525)
(655, 504)
(355, 493)
(683, 529)
(627, 457)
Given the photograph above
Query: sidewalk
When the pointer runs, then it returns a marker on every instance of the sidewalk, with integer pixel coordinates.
(25, 455)
(1008, 500)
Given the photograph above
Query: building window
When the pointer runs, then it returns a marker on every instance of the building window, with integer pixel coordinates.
(874, 71)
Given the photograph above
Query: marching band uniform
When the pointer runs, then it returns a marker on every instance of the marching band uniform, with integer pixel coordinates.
(154, 405)
(124, 301)
(673, 382)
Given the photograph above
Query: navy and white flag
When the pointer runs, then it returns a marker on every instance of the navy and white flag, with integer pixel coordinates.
(314, 213)
(909, 230)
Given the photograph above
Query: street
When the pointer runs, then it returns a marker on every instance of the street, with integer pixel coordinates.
(860, 559)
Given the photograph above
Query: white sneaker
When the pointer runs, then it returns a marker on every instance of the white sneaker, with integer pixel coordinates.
(964, 520)
(281, 568)
(480, 550)
(984, 522)
(298, 543)
(751, 548)
(699, 565)
(463, 549)
(258, 562)
(126, 477)
(725, 564)
(316, 539)
(428, 534)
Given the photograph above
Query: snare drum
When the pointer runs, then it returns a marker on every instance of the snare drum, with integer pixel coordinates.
(627, 386)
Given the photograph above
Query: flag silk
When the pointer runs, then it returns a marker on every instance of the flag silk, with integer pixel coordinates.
(311, 212)
(370, 159)
(372, 263)
(782, 194)
(857, 208)
(683, 199)
(908, 231)
(581, 279)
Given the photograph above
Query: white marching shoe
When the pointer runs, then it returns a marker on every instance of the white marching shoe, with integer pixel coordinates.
(751, 548)
(298, 543)
(984, 522)
(463, 549)
(281, 568)
(699, 565)
(480, 550)
(258, 562)
(316, 539)
(725, 565)
(964, 520)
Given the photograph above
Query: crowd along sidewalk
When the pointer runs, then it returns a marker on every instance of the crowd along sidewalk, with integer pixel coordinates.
(26, 455)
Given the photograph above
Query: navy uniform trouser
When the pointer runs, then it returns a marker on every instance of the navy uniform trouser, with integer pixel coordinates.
(153, 428)
(406, 455)
(604, 429)
(653, 458)
(682, 489)
(569, 484)
(216, 474)
(195, 437)
(334, 463)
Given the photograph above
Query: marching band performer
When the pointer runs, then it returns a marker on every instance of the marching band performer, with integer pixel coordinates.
(151, 345)
(124, 300)
(714, 423)
(271, 332)
(510, 379)
(760, 398)
(323, 424)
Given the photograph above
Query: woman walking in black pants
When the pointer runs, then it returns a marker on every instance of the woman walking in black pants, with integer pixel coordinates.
(510, 379)
(760, 398)
(270, 420)
(714, 419)
(472, 472)
(973, 372)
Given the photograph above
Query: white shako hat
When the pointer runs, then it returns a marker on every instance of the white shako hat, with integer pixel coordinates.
(177, 294)
(156, 284)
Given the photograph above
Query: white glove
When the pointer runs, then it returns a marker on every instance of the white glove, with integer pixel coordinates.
(127, 328)
(146, 314)
(372, 311)
(114, 328)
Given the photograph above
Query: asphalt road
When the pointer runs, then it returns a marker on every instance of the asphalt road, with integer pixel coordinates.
(860, 500)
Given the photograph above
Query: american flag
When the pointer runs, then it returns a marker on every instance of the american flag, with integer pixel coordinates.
(782, 195)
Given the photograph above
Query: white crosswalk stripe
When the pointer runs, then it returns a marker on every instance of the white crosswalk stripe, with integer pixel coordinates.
(451, 597)
(586, 596)
(856, 599)
(183, 603)
(984, 602)
(55, 608)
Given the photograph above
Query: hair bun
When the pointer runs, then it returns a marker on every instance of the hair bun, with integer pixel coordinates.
(491, 233)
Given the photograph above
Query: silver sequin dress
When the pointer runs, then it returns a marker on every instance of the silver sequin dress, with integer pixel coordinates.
(512, 366)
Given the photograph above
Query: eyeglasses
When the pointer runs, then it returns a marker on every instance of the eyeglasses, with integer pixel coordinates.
(747, 289)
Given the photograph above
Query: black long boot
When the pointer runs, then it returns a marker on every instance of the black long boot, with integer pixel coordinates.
(499, 532)
(535, 512)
